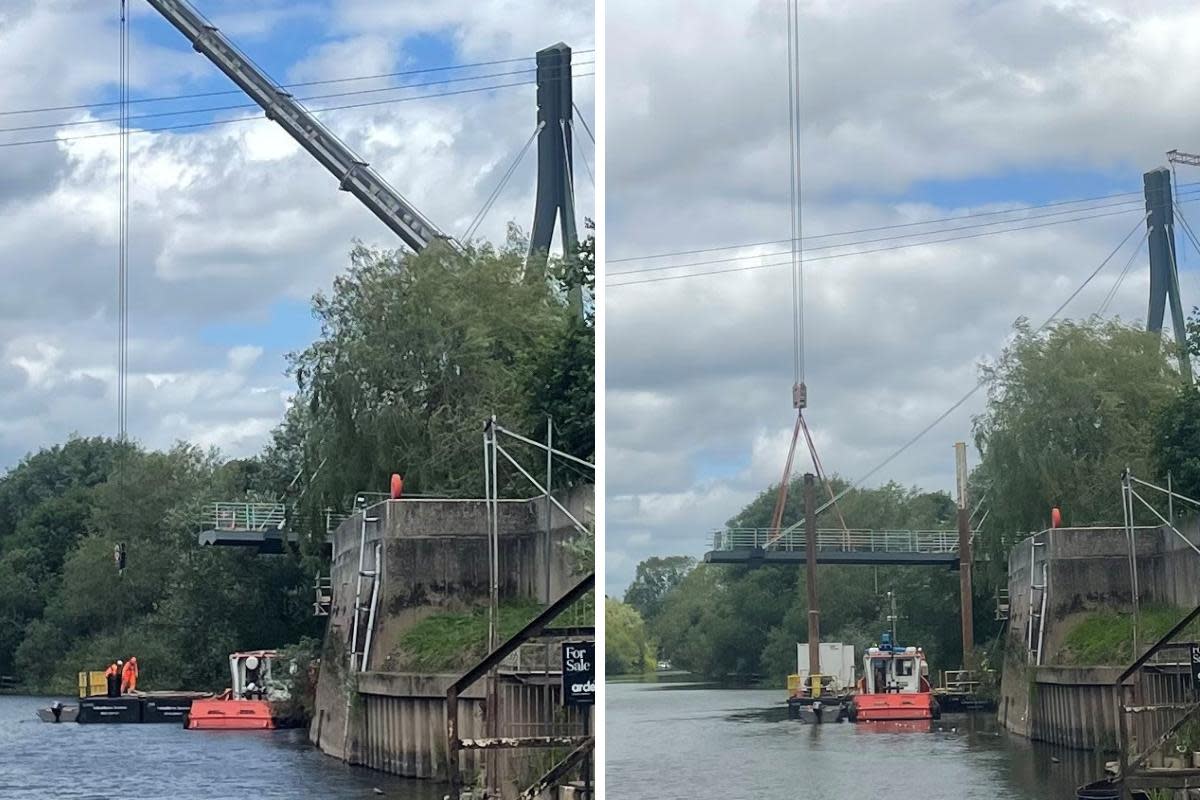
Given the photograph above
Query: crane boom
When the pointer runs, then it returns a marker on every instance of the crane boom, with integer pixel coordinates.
(353, 174)
(1177, 157)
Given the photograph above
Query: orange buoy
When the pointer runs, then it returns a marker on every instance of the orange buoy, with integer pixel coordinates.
(1055, 518)
(397, 486)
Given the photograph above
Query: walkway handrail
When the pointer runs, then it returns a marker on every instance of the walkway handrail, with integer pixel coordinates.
(246, 516)
(836, 539)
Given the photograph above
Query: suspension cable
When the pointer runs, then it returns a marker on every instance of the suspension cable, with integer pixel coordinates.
(583, 119)
(477, 220)
(1112, 293)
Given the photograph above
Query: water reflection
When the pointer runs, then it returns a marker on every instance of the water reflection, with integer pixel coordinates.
(677, 740)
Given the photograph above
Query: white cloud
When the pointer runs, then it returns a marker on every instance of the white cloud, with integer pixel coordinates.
(897, 99)
(228, 223)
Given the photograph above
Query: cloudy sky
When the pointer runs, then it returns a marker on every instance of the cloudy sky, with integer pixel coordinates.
(912, 112)
(233, 226)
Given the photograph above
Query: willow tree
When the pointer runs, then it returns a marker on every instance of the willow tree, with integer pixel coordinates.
(415, 352)
(1068, 409)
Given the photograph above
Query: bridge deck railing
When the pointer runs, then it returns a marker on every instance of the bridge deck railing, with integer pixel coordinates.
(837, 539)
(245, 516)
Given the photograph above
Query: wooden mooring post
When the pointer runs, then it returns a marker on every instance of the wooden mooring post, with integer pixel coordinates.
(810, 553)
(964, 557)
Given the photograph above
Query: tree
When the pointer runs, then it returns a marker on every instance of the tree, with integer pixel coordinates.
(1177, 427)
(1068, 410)
(627, 648)
(655, 578)
(415, 353)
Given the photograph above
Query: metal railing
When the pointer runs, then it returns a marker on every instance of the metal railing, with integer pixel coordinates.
(1158, 712)
(963, 681)
(246, 516)
(333, 519)
(859, 541)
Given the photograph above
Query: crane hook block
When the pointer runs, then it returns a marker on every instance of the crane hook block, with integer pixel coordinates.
(397, 486)
(799, 395)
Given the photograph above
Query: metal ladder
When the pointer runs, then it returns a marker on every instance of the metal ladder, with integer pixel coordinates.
(359, 658)
(1038, 577)
(1001, 603)
(323, 590)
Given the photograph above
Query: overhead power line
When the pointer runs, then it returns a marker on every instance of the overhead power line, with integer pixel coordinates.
(297, 85)
(972, 215)
(896, 237)
(210, 123)
(244, 106)
(901, 246)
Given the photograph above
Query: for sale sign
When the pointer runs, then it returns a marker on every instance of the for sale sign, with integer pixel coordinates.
(579, 673)
(1195, 667)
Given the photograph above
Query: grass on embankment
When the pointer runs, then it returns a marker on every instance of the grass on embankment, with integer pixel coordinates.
(1105, 638)
(453, 641)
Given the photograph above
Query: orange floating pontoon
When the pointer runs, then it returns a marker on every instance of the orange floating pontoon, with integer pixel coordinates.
(220, 714)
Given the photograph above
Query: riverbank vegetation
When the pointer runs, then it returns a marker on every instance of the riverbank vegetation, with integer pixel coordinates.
(628, 648)
(1105, 637)
(1067, 409)
(414, 353)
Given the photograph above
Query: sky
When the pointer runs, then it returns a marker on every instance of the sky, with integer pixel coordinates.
(233, 227)
(910, 112)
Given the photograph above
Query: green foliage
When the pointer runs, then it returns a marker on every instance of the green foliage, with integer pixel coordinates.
(179, 608)
(1105, 638)
(656, 577)
(1177, 427)
(454, 641)
(1177, 441)
(627, 647)
(298, 668)
(1068, 409)
(415, 353)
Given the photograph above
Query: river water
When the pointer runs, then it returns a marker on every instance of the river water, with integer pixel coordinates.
(690, 742)
(39, 760)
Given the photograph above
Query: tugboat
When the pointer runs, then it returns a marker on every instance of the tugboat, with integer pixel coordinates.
(247, 704)
(894, 686)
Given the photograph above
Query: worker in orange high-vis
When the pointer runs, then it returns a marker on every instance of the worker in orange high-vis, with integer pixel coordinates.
(129, 676)
(112, 679)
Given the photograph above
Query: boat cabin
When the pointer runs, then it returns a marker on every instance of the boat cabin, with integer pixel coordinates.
(252, 679)
(890, 668)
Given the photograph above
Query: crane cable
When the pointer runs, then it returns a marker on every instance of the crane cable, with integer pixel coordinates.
(796, 196)
(797, 221)
(123, 233)
(980, 384)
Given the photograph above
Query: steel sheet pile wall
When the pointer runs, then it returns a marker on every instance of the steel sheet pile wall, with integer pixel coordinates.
(1074, 707)
(403, 724)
